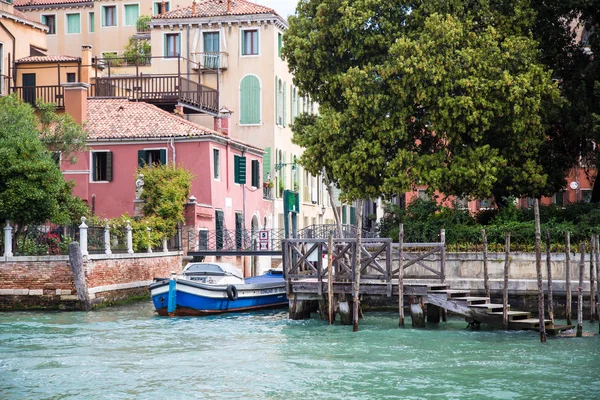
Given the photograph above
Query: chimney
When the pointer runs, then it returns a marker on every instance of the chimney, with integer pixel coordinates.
(76, 100)
(221, 121)
(163, 7)
(228, 6)
(86, 63)
(194, 10)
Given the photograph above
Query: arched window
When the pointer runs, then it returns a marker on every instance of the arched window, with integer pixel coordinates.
(250, 100)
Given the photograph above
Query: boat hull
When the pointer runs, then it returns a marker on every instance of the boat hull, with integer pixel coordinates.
(196, 299)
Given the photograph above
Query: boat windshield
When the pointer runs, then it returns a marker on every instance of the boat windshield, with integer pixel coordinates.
(211, 269)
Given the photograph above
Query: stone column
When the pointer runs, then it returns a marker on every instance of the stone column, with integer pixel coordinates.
(83, 237)
(129, 238)
(8, 240)
(107, 250)
(165, 247)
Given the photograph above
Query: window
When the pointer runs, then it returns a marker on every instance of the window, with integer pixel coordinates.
(219, 229)
(250, 106)
(56, 156)
(558, 198)
(586, 195)
(279, 43)
(279, 110)
(157, 6)
(92, 23)
(152, 157)
(71, 77)
(422, 194)
(250, 42)
(132, 13)
(255, 173)
(216, 164)
(239, 170)
(284, 105)
(109, 15)
(102, 166)
(238, 230)
(211, 50)
(73, 23)
(172, 43)
(50, 22)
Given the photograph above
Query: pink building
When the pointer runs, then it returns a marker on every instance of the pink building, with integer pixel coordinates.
(123, 135)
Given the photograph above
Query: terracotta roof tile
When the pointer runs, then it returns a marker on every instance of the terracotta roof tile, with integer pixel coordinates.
(27, 3)
(46, 59)
(217, 8)
(124, 119)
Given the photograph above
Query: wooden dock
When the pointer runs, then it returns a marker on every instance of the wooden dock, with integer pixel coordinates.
(307, 278)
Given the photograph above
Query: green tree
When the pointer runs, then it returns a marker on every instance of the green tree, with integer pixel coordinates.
(165, 192)
(59, 132)
(445, 101)
(32, 188)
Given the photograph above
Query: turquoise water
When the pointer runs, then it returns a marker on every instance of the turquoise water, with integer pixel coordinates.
(129, 353)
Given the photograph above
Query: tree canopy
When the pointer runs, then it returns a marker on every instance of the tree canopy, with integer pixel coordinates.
(457, 100)
(32, 188)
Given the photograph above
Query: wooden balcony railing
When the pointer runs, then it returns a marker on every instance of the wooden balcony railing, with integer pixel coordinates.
(159, 89)
(211, 60)
(50, 94)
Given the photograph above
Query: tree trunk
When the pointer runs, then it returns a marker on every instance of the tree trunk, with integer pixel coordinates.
(329, 187)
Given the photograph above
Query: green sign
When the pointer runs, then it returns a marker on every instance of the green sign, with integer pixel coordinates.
(291, 201)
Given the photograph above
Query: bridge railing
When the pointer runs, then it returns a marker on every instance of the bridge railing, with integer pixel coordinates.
(231, 240)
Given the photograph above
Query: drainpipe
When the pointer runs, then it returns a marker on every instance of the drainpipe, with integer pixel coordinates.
(172, 144)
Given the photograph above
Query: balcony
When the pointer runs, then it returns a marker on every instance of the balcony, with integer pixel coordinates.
(211, 60)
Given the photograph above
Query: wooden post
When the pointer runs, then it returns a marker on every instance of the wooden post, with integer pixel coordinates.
(568, 298)
(443, 266)
(549, 269)
(592, 288)
(597, 241)
(486, 278)
(76, 261)
(580, 292)
(417, 311)
(538, 268)
(401, 276)
(358, 264)
(330, 279)
(506, 273)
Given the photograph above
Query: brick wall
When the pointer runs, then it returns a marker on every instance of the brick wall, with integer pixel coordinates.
(47, 282)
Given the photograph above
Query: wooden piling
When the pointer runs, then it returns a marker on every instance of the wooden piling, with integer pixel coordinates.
(401, 276)
(443, 266)
(330, 280)
(76, 261)
(597, 241)
(486, 278)
(580, 292)
(592, 271)
(568, 299)
(417, 311)
(549, 269)
(358, 267)
(538, 268)
(506, 272)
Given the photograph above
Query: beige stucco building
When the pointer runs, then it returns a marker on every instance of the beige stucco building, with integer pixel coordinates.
(19, 37)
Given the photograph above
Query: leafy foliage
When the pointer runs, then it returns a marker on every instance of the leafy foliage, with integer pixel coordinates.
(60, 133)
(420, 97)
(166, 190)
(32, 188)
(423, 220)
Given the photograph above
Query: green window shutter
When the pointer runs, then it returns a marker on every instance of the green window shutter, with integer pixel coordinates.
(132, 13)
(156, 8)
(109, 166)
(244, 43)
(276, 100)
(255, 173)
(344, 218)
(103, 12)
(266, 163)
(284, 104)
(142, 158)
(178, 45)
(353, 216)
(92, 22)
(279, 44)
(250, 100)
(166, 46)
(163, 157)
(284, 169)
(219, 228)
(73, 23)
(239, 169)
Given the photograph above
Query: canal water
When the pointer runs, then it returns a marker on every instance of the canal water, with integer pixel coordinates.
(128, 352)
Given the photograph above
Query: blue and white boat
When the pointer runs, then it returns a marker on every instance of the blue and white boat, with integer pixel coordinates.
(210, 288)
